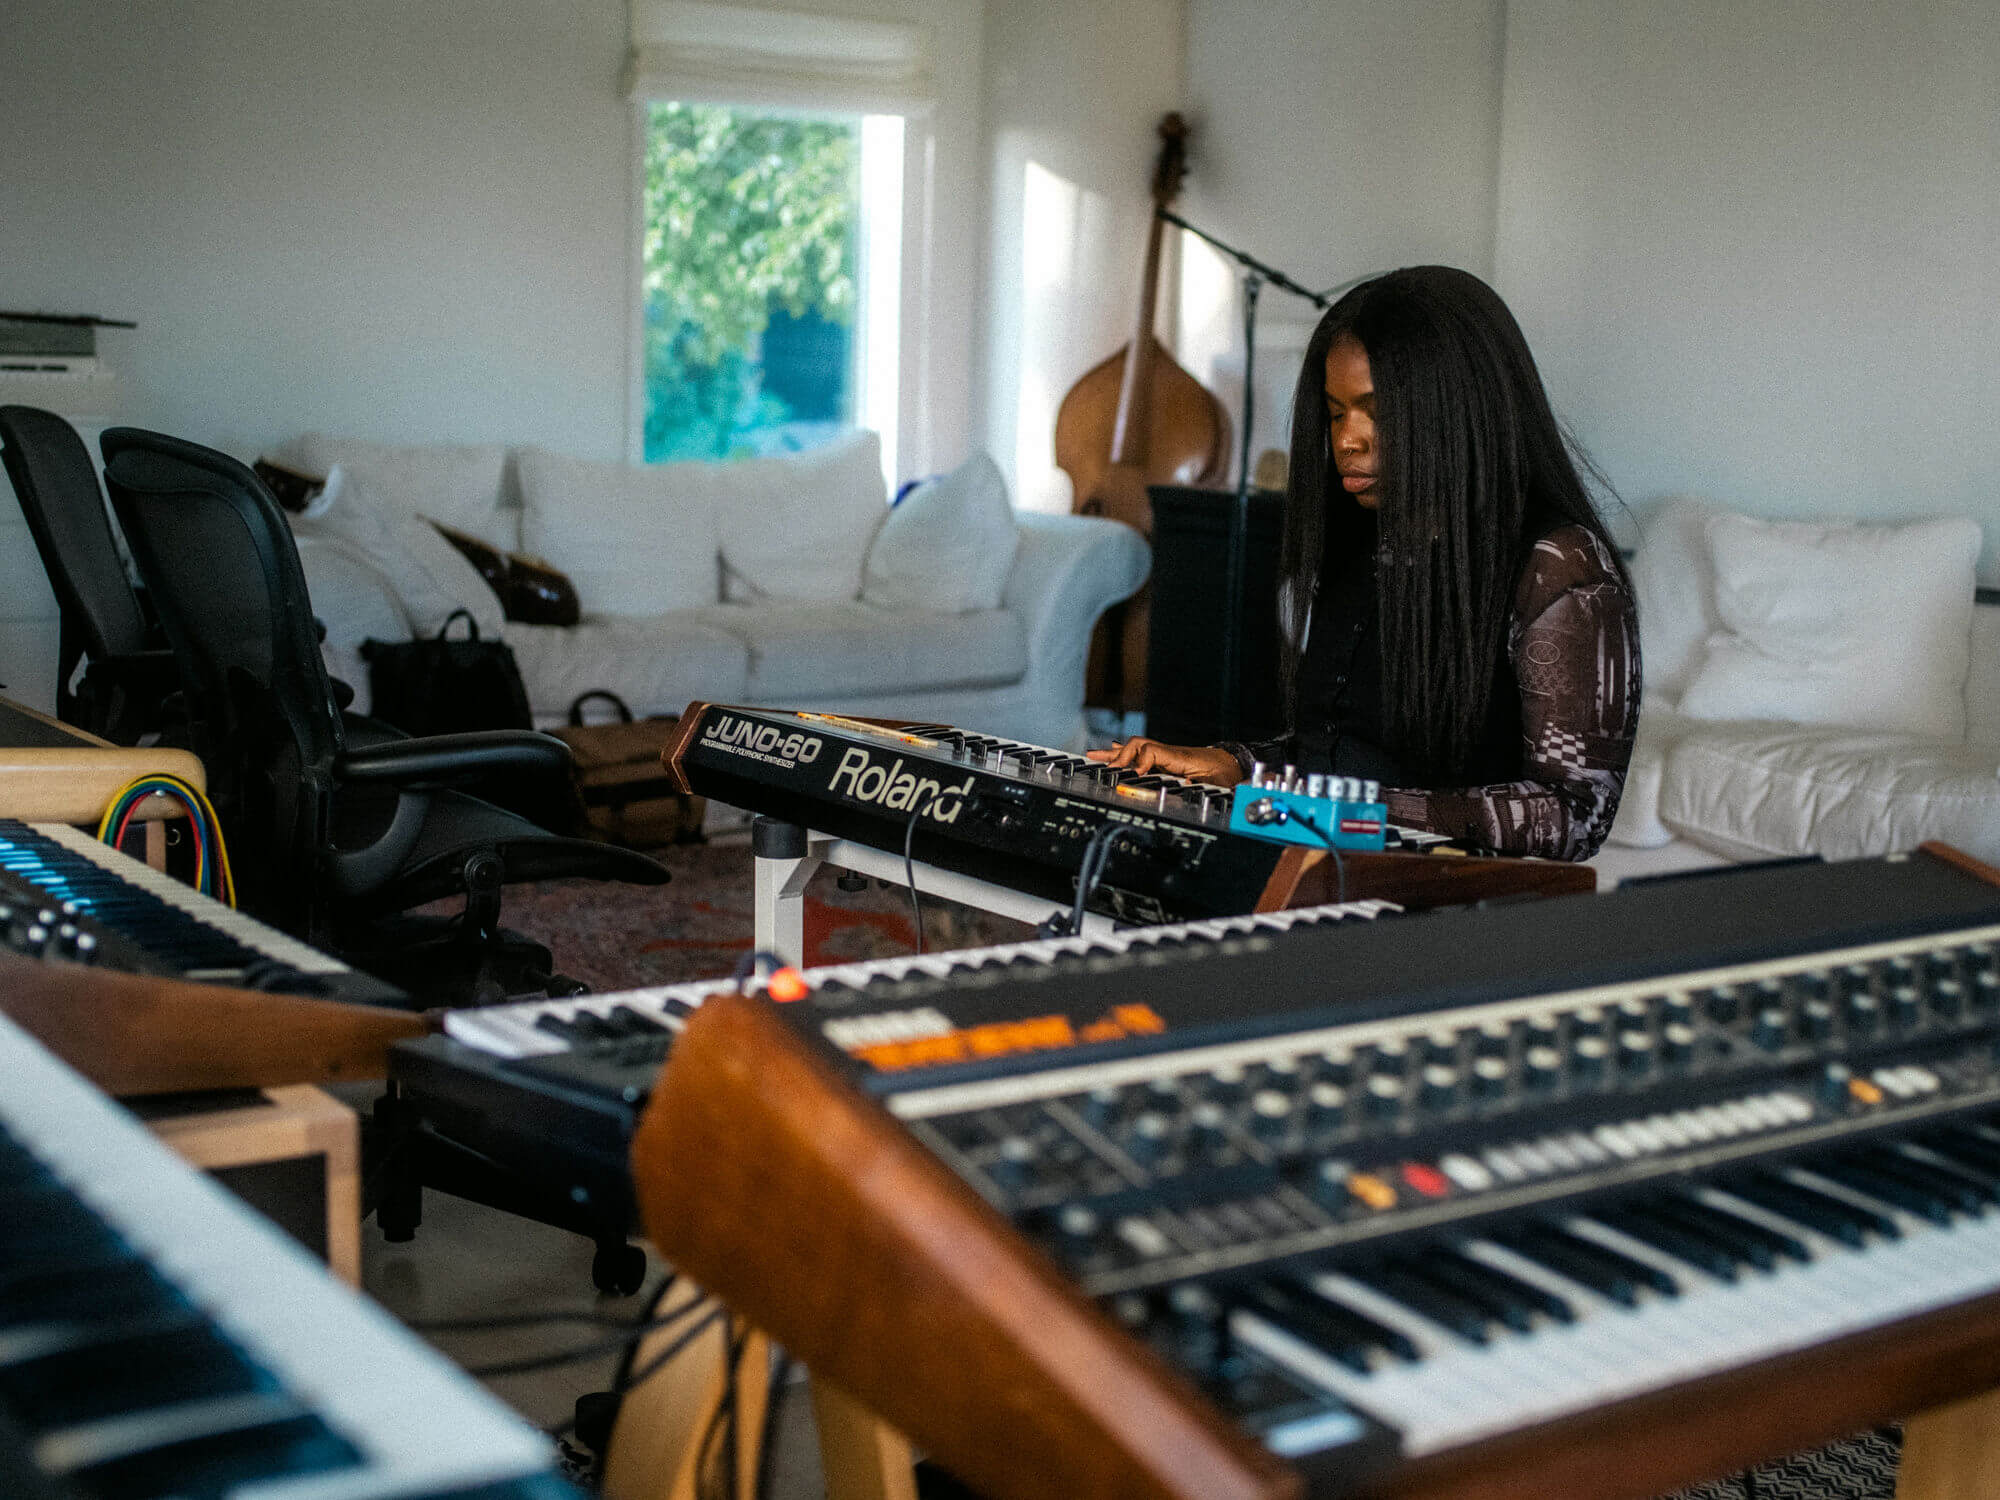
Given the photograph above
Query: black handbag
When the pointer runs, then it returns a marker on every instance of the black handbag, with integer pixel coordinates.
(443, 686)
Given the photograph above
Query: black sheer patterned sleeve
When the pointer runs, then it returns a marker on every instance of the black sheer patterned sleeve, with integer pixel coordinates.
(1574, 645)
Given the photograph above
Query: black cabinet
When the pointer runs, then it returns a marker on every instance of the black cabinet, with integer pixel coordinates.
(1198, 618)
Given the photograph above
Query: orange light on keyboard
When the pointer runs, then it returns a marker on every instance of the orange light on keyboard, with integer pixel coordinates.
(1372, 1191)
(1863, 1091)
(786, 985)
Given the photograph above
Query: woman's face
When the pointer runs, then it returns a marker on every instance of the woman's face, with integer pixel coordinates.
(1350, 415)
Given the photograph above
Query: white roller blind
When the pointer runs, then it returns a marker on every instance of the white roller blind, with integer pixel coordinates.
(744, 54)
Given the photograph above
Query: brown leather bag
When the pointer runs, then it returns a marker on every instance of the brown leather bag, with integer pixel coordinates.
(626, 794)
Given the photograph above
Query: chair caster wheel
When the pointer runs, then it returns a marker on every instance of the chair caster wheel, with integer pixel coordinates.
(618, 1269)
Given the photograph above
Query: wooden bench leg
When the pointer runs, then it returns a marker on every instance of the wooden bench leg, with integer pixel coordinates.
(1952, 1452)
(654, 1452)
(864, 1458)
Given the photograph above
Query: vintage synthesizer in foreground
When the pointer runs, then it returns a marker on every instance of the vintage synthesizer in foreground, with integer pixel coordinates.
(64, 895)
(1031, 819)
(553, 1089)
(157, 1339)
(1539, 1200)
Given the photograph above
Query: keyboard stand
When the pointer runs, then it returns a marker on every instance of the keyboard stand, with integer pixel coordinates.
(788, 856)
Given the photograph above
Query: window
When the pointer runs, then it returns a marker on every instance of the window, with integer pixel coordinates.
(774, 151)
(770, 265)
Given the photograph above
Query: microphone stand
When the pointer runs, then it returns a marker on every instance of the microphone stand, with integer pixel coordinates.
(1255, 274)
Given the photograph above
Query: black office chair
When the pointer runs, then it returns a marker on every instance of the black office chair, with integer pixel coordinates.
(332, 840)
(131, 672)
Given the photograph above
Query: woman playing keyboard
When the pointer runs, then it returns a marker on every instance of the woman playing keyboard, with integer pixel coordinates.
(1454, 618)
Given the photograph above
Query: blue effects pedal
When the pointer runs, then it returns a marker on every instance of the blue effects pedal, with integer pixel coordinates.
(1313, 810)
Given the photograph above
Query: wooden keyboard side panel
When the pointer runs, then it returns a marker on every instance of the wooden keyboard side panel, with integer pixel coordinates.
(804, 1205)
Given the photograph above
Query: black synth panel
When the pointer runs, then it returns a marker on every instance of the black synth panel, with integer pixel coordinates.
(1209, 992)
(1014, 831)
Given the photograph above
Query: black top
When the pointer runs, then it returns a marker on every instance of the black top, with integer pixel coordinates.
(1339, 714)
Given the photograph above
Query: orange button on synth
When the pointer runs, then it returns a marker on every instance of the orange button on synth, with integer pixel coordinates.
(1863, 1091)
(1372, 1191)
(786, 985)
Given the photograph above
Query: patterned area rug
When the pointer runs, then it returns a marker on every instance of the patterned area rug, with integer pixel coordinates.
(619, 936)
(615, 937)
(1857, 1468)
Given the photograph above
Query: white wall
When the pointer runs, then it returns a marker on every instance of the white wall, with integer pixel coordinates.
(1757, 247)
(1334, 138)
(410, 222)
(394, 220)
(1073, 95)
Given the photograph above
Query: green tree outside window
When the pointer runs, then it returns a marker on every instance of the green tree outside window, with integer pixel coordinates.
(747, 216)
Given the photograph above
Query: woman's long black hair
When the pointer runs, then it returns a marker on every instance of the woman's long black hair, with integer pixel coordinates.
(1473, 469)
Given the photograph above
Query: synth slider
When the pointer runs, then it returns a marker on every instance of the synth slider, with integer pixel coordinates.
(1387, 1192)
(159, 1341)
(66, 897)
(1013, 814)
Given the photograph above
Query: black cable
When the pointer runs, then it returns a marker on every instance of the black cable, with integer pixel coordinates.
(1339, 864)
(774, 1400)
(659, 1361)
(647, 1313)
(1096, 855)
(722, 1425)
(521, 1320)
(630, 1335)
(910, 870)
(746, 966)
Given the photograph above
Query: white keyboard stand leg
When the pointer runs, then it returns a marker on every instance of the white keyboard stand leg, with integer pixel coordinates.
(788, 857)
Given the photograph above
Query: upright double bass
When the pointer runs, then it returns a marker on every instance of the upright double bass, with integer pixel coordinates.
(1136, 419)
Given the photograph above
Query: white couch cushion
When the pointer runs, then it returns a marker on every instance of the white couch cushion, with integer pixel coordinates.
(948, 546)
(803, 522)
(1638, 824)
(1982, 678)
(1674, 584)
(1860, 626)
(1753, 791)
(429, 576)
(657, 666)
(634, 541)
(808, 653)
(464, 487)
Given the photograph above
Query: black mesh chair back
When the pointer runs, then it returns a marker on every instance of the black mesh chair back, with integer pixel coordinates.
(56, 482)
(224, 577)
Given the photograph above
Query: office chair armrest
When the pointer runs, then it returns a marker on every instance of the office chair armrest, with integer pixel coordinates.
(456, 759)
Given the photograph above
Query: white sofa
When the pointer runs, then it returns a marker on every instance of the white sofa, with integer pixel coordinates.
(780, 582)
(1706, 790)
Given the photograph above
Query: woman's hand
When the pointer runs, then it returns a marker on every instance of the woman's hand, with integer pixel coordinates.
(1196, 762)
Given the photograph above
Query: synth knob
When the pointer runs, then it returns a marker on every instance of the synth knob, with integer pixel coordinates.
(1489, 1077)
(1903, 1003)
(1588, 1058)
(1015, 1162)
(1771, 1028)
(1100, 1106)
(1440, 1086)
(1677, 1039)
(1723, 1004)
(1834, 1079)
(1078, 1225)
(1864, 1013)
(1544, 1033)
(1146, 1141)
(1948, 998)
(1281, 1073)
(1335, 1066)
(86, 948)
(1816, 1020)
(1205, 1129)
(1326, 1106)
(1226, 1084)
(1636, 1051)
(1770, 992)
(1385, 1096)
(1543, 1066)
(1441, 1047)
(34, 939)
(1492, 1039)
(1817, 984)
(1392, 1057)
(1270, 1114)
(1588, 1021)
(1676, 1010)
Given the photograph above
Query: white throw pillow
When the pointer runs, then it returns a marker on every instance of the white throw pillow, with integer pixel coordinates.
(1866, 627)
(1674, 582)
(634, 541)
(462, 487)
(948, 547)
(429, 576)
(801, 525)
